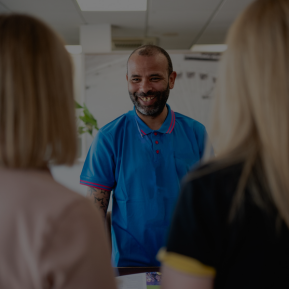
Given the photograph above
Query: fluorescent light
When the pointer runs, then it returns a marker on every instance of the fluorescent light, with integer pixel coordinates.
(112, 5)
(74, 49)
(209, 48)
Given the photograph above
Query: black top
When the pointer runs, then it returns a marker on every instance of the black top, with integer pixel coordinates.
(252, 251)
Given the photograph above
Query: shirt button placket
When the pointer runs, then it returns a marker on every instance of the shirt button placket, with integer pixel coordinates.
(157, 142)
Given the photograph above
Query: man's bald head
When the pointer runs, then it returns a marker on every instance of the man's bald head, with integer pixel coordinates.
(151, 50)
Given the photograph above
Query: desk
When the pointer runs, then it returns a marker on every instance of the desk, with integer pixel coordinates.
(122, 271)
(134, 270)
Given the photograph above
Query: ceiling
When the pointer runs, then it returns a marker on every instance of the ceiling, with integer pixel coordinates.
(177, 24)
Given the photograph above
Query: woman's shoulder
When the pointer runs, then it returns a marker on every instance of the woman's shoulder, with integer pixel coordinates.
(216, 171)
(35, 192)
(213, 182)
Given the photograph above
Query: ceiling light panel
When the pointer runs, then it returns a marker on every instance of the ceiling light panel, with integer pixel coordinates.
(112, 5)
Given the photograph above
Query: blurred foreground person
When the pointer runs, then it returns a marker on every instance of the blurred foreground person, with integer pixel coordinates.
(230, 228)
(50, 236)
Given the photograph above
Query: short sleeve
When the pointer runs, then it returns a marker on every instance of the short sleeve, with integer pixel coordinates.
(76, 254)
(99, 167)
(201, 135)
(191, 240)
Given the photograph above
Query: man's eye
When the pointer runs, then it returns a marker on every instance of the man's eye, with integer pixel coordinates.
(135, 79)
(155, 79)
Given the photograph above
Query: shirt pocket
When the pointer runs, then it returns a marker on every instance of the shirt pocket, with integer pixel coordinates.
(184, 162)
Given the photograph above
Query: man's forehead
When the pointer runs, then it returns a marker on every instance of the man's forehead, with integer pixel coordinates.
(156, 57)
(156, 62)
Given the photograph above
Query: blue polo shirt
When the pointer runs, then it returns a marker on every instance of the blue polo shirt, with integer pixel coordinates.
(144, 168)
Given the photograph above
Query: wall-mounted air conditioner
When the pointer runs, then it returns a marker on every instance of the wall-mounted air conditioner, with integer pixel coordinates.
(131, 43)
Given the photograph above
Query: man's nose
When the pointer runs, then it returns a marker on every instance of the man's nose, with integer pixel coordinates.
(145, 86)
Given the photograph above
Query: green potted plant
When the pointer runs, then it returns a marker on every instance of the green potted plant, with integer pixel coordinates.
(90, 123)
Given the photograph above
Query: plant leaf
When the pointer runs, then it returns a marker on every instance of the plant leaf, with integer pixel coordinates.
(96, 126)
(85, 119)
(86, 111)
(81, 129)
(88, 119)
(77, 105)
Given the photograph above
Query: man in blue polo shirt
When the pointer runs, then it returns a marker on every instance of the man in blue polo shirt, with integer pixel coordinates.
(142, 156)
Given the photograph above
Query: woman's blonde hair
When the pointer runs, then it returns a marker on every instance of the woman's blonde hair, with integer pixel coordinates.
(37, 116)
(251, 114)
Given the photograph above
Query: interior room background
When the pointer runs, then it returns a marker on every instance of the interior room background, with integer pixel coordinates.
(97, 38)
(100, 82)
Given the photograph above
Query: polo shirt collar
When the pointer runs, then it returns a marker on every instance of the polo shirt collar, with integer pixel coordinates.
(167, 126)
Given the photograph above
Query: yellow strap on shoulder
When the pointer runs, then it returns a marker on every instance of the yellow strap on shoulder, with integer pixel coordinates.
(185, 264)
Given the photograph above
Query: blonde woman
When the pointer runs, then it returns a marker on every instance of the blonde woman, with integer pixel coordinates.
(50, 236)
(230, 228)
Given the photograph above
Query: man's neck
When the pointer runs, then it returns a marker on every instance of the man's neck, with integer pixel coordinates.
(152, 122)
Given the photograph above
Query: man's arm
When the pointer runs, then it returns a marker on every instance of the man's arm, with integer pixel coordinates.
(100, 199)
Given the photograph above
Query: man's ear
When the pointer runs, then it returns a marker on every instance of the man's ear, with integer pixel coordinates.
(172, 79)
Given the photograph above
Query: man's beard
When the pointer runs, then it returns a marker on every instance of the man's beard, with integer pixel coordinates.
(158, 106)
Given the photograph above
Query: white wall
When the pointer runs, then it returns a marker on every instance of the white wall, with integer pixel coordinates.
(95, 38)
(69, 177)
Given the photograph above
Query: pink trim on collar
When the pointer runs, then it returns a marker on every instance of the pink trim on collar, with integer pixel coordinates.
(143, 132)
(171, 127)
(174, 117)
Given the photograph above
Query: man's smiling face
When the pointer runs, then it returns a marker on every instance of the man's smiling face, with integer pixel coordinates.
(149, 83)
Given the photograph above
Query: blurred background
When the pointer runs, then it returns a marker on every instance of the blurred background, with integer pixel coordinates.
(100, 35)
(174, 24)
